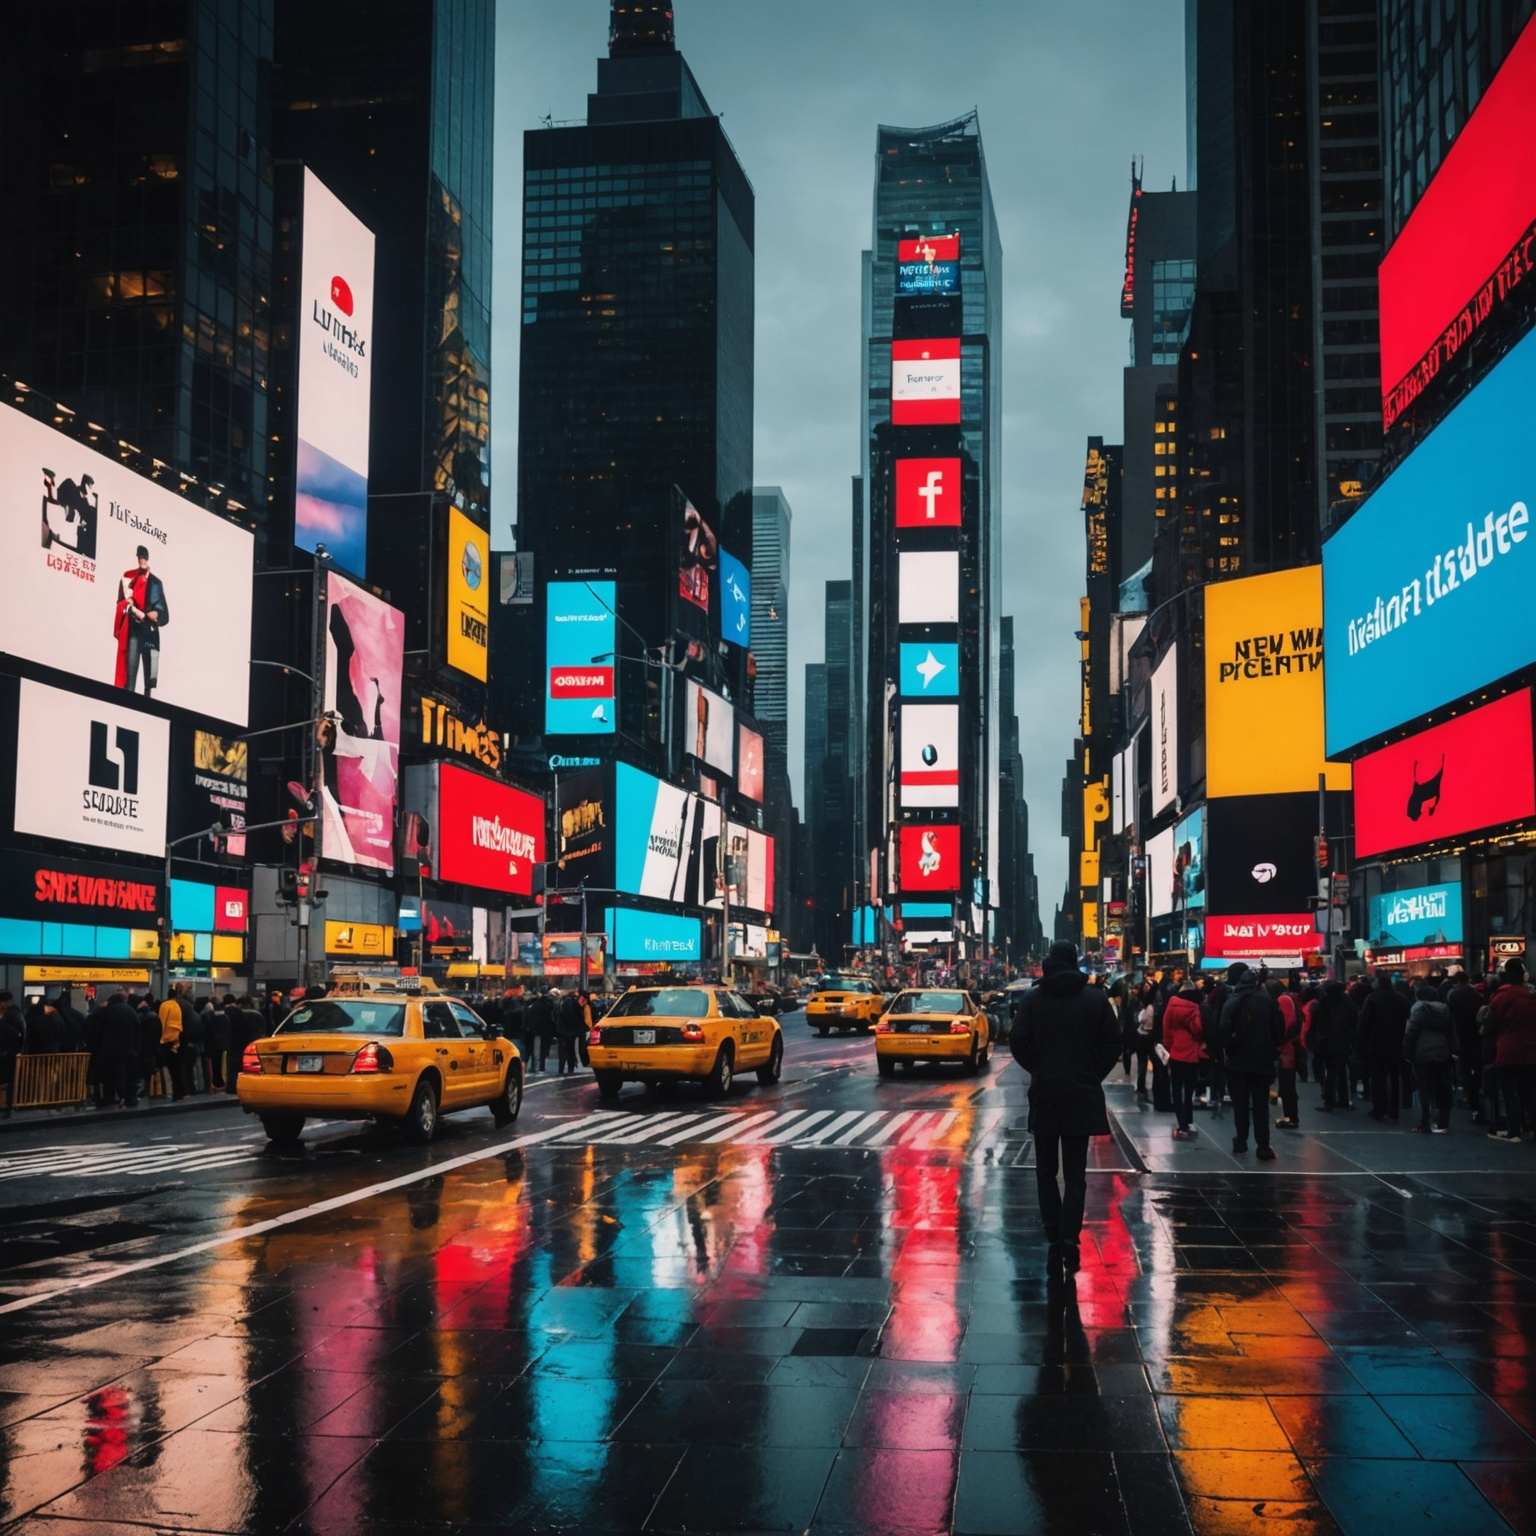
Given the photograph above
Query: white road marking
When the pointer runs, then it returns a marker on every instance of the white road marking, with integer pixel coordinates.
(890, 1128)
(747, 1122)
(653, 1125)
(780, 1136)
(693, 1132)
(835, 1124)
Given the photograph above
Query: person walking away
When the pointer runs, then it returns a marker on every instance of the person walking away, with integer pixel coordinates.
(43, 1028)
(13, 1040)
(171, 1026)
(1464, 1001)
(71, 1023)
(1382, 1022)
(1065, 1036)
(1215, 1074)
(512, 1019)
(1145, 1021)
(1183, 1030)
(95, 1024)
(1250, 1042)
(540, 1023)
(1513, 1011)
(1428, 1045)
(567, 1029)
(1291, 1048)
(121, 1033)
(216, 1035)
(194, 1041)
(1332, 1043)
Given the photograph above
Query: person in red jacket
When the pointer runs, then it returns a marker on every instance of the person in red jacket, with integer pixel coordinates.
(1183, 1031)
(1290, 1039)
(1514, 1019)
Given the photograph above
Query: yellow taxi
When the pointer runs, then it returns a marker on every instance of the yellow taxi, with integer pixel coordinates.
(933, 1024)
(379, 1055)
(664, 1035)
(844, 1002)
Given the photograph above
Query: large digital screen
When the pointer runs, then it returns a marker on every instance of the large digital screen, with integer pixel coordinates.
(364, 664)
(709, 728)
(66, 891)
(1264, 685)
(930, 755)
(1427, 914)
(663, 937)
(90, 773)
(1469, 240)
(664, 838)
(469, 596)
(928, 493)
(930, 859)
(925, 382)
(584, 827)
(928, 587)
(579, 624)
(697, 560)
(335, 324)
(1426, 589)
(1165, 731)
(210, 784)
(121, 581)
(487, 834)
(749, 763)
(1160, 873)
(930, 669)
(1261, 853)
(759, 888)
(735, 601)
(1189, 859)
(928, 266)
(1262, 936)
(1471, 773)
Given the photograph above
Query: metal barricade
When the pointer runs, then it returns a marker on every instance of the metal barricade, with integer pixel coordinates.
(45, 1081)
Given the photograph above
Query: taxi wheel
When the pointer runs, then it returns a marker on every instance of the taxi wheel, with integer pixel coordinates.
(973, 1061)
(283, 1129)
(506, 1105)
(421, 1118)
(722, 1074)
(773, 1069)
(821, 1029)
(886, 1065)
(608, 1085)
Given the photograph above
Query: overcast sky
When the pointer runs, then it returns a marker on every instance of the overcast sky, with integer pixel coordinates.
(1068, 91)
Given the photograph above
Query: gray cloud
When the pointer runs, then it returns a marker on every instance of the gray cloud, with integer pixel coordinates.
(1067, 92)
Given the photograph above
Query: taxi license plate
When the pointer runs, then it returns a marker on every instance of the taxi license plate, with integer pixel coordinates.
(644, 1037)
(307, 1063)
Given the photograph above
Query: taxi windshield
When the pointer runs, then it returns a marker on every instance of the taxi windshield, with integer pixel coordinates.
(345, 1016)
(677, 1002)
(840, 984)
(930, 1002)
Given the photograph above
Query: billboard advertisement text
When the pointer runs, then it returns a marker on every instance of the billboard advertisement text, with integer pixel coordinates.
(579, 624)
(925, 382)
(469, 596)
(1427, 914)
(487, 834)
(1165, 731)
(1259, 936)
(928, 267)
(210, 784)
(663, 937)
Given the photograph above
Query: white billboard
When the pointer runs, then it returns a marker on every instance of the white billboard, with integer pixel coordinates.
(709, 729)
(90, 773)
(121, 580)
(335, 329)
(1160, 873)
(928, 587)
(1117, 794)
(930, 755)
(1165, 731)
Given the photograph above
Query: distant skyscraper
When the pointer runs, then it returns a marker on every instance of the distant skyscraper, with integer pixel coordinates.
(770, 619)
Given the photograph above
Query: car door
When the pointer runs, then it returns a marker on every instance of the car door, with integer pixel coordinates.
(485, 1070)
(451, 1051)
(755, 1032)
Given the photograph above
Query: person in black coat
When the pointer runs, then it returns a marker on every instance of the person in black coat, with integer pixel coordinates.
(1464, 1001)
(118, 1053)
(568, 1030)
(1332, 1040)
(539, 1021)
(71, 1022)
(1249, 1036)
(1383, 1020)
(13, 1039)
(1066, 1036)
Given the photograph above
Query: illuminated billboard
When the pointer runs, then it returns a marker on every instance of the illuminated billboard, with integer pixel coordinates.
(1165, 731)
(709, 726)
(1261, 853)
(925, 382)
(90, 773)
(749, 763)
(930, 859)
(1262, 936)
(1426, 589)
(486, 833)
(928, 267)
(930, 669)
(579, 623)
(1189, 860)
(335, 332)
(928, 493)
(364, 663)
(735, 601)
(930, 755)
(469, 609)
(697, 559)
(1160, 873)
(1470, 240)
(928, 587)
(1465, 776)
(210, 779)
(584, 830)
(664, 838)
(121, 581)
(1427, 914)
(1264, 685)
(653, 937)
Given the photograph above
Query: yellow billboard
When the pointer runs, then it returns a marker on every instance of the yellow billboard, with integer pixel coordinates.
(1264, 686)
(469, 612)
(375, 939)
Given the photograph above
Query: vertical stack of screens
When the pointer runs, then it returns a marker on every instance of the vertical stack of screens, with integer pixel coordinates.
(925, 479)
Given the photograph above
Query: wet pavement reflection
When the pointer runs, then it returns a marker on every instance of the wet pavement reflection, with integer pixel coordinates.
(577, 1335)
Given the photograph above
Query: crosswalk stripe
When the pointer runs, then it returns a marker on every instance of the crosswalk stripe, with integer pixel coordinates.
(774, 1126)
(890, 1128)
(932, 1134)
(654, 1125)
(695, 1132)
(823, 1132)
(778, 1137)
(750, 1122)
(607, 1119)
(852, 1134)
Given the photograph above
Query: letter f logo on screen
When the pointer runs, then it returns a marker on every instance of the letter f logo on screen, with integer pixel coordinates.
(119, 772)
(341, 295)
(927, 493)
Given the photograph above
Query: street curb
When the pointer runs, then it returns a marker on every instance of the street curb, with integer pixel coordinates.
(35, 1122)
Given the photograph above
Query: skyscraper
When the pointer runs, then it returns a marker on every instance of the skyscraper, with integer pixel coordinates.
(770, 620)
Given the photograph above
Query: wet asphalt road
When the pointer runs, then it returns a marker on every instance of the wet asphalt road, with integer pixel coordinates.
(814, 1306)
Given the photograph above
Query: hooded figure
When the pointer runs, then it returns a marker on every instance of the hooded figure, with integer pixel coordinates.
(1066, 1036)
(1250, 1033)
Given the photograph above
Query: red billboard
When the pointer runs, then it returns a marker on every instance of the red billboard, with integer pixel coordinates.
(930, 859)
(489, 834)
(1259, 936)
(1473, 772)
(1470, 239)
(581, 682)
(929, 248)
(925, 382)
(927, 493)
(749, 763)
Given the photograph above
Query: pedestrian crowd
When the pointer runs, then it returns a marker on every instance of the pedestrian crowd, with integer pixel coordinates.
(1434, 1043)
(536, 1019)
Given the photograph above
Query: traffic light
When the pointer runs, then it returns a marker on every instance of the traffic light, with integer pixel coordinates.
(288, 886)
(1321, 844)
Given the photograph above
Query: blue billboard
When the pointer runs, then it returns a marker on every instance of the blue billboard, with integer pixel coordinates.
(1189, 859)
(930, 670)
(653, 936)
(735, 600)
(1426, 589)
(1427, 914)
(865, 926)
(579, 692)
(927, 279)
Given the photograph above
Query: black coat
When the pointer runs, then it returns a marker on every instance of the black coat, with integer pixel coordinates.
(1464, 1002)
(569, 1022)
(540, 1017)
(121, 1033)
(71, 1028)
(1251, 1028)
(1335, 1024)
(1383, 1018)
(1066, 1037)
(1429, 1037)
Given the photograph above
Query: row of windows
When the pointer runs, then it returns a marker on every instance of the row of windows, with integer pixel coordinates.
(581, 172)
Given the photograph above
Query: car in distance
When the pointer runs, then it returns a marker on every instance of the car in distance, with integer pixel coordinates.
(843, 1003)
(392, 1056)
(666, 1035)
(933, 1024)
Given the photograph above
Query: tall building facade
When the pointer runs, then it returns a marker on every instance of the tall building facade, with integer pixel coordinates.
(1019, 933)
(771, 521)
(932, 182)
